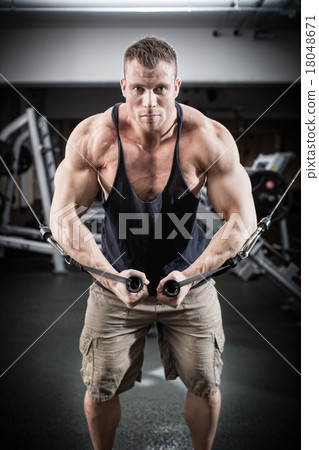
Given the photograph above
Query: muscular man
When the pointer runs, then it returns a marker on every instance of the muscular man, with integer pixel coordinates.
(151, 156)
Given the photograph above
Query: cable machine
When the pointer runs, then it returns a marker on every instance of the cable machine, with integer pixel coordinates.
(34, 131)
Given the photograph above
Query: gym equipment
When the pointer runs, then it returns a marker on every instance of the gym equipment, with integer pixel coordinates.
(32, 130)
(24, 162)
(267, 189)
(172, 288)
(275, 162)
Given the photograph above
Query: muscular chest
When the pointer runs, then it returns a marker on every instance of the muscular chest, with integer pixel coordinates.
(149, 171)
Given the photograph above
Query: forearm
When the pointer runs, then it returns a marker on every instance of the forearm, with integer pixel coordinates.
(77, 240)
(224, 245)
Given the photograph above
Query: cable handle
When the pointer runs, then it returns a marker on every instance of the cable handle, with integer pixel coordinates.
(133, 283)
(172, 288)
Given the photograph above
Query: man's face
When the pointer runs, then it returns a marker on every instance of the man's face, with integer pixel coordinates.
(150, 93)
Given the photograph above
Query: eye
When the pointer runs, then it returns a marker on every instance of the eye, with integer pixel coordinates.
(138, 89)
(160, 89)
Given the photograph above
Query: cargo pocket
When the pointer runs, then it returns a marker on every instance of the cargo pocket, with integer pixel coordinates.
(218, 362)
(86, 348)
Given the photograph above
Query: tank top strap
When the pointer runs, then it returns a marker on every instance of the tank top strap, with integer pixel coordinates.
(179, 118)
(115, 119)
(179, 121)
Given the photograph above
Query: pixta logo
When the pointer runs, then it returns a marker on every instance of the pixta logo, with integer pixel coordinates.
(69, 224)
(75, 225)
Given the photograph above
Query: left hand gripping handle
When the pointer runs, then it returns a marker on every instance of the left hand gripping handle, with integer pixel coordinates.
(133, 283)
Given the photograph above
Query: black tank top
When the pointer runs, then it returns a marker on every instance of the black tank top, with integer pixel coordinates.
(154, 237)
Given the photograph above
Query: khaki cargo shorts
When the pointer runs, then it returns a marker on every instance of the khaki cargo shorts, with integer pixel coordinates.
(190, 339)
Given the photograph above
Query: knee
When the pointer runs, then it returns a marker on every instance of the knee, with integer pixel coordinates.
(215, 400)
(96, 408)
(90, 405)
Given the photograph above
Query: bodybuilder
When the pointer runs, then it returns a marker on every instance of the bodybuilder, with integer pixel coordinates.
(150, 156)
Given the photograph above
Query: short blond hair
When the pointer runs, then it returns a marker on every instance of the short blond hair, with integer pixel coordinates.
(149, 51)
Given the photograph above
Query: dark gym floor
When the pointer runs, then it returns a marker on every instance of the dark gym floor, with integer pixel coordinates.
(42, 393)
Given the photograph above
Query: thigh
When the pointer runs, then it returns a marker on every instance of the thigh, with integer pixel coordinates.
(192, 342)
(111, 364)
(112, 350)
(105, 313)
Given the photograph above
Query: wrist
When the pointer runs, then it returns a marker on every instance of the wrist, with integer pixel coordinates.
(191, 271)
(107, 282)
(202, 265)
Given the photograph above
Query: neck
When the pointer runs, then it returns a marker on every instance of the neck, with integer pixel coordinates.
(150, 139)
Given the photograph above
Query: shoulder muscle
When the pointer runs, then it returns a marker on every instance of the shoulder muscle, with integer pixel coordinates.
(213, 143)
(90, 140)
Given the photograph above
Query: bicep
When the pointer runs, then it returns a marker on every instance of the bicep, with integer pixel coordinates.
(230, 192)
(75, 184)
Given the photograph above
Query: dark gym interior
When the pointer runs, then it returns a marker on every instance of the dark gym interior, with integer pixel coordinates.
(43, 301)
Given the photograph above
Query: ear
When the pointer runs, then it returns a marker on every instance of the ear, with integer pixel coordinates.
(178, 83)
(123, 86)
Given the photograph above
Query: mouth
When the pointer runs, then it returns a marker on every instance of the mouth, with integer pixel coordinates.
(149, 117)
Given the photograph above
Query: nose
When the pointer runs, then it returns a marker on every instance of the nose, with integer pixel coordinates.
(149, 99)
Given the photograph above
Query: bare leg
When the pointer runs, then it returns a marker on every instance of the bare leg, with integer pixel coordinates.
(103, 419)
(201, 415)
